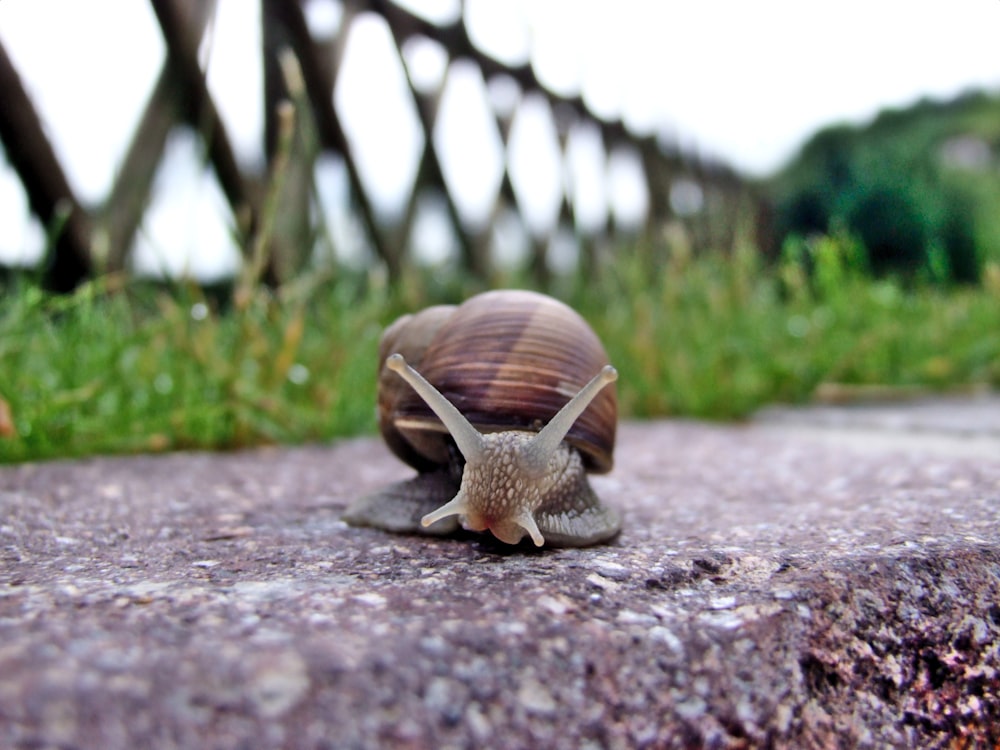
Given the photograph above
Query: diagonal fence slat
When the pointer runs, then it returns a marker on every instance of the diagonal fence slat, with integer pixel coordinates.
(182, 45)
(85, 243)
(126, 205)
(318, 79)
(49, 193)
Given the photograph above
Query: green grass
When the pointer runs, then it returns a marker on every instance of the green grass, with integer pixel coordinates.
(718, 337)
(122, 367)
(141, 369)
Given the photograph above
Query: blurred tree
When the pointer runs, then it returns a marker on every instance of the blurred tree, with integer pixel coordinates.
(891, 225)
(893, 185)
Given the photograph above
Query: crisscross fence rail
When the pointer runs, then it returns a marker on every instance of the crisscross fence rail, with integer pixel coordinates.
(181, 95)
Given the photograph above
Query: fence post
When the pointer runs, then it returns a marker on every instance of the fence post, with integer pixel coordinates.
(49, 194)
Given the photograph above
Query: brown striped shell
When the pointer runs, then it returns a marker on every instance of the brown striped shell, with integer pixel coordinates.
(508, 360)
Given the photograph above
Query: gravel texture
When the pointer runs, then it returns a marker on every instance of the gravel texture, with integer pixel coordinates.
(793, 582)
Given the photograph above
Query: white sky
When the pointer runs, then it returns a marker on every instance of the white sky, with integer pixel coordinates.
(743, 81)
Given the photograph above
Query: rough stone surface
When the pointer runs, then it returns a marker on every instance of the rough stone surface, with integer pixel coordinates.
(792, 582)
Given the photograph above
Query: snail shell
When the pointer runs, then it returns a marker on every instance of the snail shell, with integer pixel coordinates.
(507, 360)
(502, 404)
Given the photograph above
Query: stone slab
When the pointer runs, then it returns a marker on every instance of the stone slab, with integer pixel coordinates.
(784, 583)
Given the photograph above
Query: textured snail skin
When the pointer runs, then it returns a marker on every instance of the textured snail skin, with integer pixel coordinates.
(561, 506)
(556, 507)
(513, 483)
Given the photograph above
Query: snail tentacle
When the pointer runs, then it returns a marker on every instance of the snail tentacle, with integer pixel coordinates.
(467, 438)
(457, 506)
(545, 443)
(527, 522)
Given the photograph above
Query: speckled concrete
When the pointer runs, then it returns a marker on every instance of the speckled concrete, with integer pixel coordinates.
(788, 583)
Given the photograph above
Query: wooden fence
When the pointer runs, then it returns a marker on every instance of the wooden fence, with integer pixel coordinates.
(181, 95)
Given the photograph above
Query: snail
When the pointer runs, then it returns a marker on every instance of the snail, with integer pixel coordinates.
(502, 404)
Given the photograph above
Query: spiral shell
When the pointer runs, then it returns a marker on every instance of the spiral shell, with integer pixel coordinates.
(508, 360)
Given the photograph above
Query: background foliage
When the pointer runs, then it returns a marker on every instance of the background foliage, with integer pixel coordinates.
(919, 188)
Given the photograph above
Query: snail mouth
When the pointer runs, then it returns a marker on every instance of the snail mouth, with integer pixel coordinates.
(507, 530)
(513, 530)
(507, 533)
(504, 527)
(475, 522)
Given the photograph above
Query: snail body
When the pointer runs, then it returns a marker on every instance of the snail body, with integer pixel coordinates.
(502, 405)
